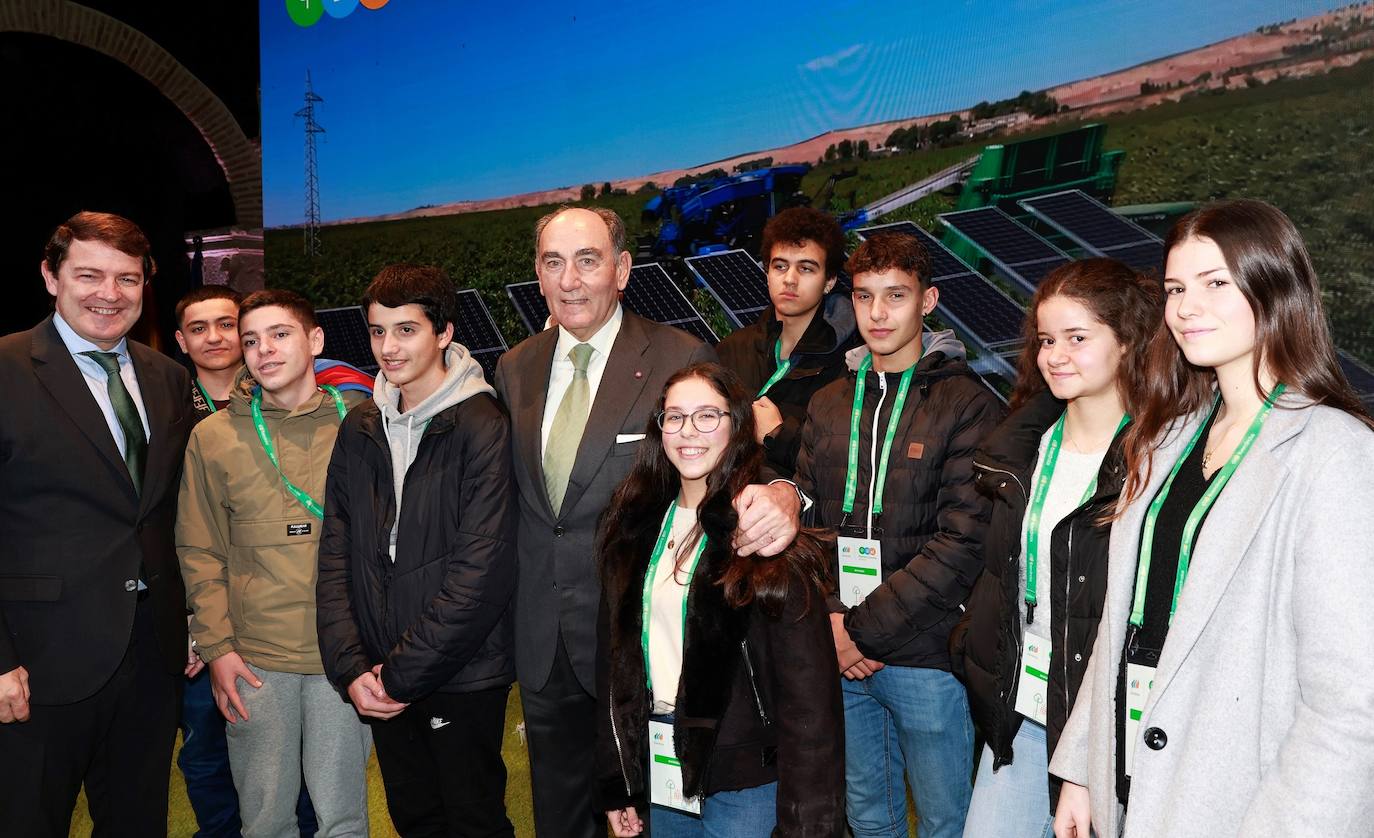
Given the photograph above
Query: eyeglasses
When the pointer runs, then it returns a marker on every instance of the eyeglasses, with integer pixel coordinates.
(704, 419)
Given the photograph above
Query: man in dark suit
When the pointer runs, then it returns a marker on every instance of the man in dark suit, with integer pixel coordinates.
(580, 395)
(92, 608)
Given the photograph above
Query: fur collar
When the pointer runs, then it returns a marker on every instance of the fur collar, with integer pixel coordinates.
(714, 633)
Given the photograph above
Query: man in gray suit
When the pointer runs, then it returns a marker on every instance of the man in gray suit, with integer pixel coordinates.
(580, 395)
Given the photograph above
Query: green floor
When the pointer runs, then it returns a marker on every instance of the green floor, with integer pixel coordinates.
(181, 822)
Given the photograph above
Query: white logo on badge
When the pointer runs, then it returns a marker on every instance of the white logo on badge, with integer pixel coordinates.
(435, 723)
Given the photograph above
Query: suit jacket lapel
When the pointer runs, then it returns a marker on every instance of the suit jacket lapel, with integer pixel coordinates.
(159, 405)
(57, 371)
(527, 415)
(627, 369)
(1225, 538)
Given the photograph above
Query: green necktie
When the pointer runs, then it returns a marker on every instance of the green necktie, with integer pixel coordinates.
(566, 432)
(135, 441)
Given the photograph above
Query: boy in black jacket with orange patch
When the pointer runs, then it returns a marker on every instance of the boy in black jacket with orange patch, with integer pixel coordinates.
(888, 457)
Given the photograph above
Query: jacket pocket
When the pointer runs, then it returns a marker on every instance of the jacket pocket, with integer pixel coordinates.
(30, 588)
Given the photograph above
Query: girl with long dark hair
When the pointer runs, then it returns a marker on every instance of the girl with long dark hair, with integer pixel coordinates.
(721, 714)
(1231, 686)
(1052, 469)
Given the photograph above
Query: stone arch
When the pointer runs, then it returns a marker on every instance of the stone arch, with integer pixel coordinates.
(238, 157)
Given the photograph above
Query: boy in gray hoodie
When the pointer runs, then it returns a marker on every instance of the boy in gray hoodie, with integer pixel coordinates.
(417, 564)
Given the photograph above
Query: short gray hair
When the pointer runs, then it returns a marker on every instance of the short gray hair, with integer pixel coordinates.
(614, 225)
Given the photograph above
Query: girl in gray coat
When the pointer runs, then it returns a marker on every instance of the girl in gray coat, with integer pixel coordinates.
(1231, 685)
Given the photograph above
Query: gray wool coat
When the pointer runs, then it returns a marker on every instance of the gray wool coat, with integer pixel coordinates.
(1265, 687)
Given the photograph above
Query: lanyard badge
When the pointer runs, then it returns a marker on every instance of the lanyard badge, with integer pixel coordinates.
(665, 772)
(860, 553)
(311, 505)
(861, 566)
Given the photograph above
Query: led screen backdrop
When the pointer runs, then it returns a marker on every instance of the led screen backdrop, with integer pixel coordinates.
(443, 129)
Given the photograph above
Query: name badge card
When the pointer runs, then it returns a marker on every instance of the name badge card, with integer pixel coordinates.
(1139, 680)
(1033, 683)
(665, 772)
(861, 568)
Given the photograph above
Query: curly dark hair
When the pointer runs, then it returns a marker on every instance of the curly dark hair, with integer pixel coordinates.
(802, 224)
(653, 483)
(885, 251)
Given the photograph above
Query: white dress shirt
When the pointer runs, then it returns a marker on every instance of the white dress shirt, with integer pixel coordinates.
(97, 380)
(562, 369)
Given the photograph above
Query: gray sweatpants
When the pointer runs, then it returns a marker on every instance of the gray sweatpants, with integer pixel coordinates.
(298, 723)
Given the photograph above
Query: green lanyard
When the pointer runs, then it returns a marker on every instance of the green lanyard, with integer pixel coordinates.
(782, 369)
(265, 438)
(1185, 548)
(209, 402)
(1043, 476)
(851, 478)
(659, 549)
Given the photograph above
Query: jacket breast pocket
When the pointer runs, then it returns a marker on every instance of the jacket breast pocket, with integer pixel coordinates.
(30, 588)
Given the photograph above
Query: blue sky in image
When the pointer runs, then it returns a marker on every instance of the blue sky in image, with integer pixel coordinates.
(432, 101)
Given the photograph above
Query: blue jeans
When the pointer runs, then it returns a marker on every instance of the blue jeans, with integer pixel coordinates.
(908, 721)
(1015, 801)
(204, 762)
(747, 813)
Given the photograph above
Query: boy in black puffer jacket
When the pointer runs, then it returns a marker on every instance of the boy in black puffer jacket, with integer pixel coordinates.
(417, 564)
(888, 457)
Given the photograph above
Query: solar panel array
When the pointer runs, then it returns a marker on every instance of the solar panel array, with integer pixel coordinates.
(529, 304)
(967, 300)
(1019, 254)
(650, 293)
(736, 281)
(476, 330)
(1091, 225)
(346, 337)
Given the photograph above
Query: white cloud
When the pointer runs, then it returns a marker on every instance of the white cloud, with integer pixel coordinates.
(828, 62)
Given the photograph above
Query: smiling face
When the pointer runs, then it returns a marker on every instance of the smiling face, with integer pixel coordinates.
(889, 306)
(407, 349)
(280, 353)
(796, 278)
(1079, 355)
(209, 334)
(1205, 310)
(693, 453)
(98, 290)
(580, 275)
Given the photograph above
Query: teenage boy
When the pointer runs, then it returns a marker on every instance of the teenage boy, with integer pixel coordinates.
(208, 332)
(798, 345)
(888, 458)
(417, 564)
(248, 528)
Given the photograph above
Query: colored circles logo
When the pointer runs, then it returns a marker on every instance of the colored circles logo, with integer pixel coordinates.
(305, 12)
(340, 8)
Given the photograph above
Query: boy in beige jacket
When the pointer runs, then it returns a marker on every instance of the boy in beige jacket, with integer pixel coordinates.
(248, 526)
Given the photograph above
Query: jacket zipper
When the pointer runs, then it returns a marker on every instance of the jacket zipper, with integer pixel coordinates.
(1068, 584)
(1003, 693)
(749, 668)
(615, 734)
(873, 451)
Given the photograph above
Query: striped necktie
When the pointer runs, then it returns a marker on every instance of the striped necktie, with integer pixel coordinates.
(126, 413)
